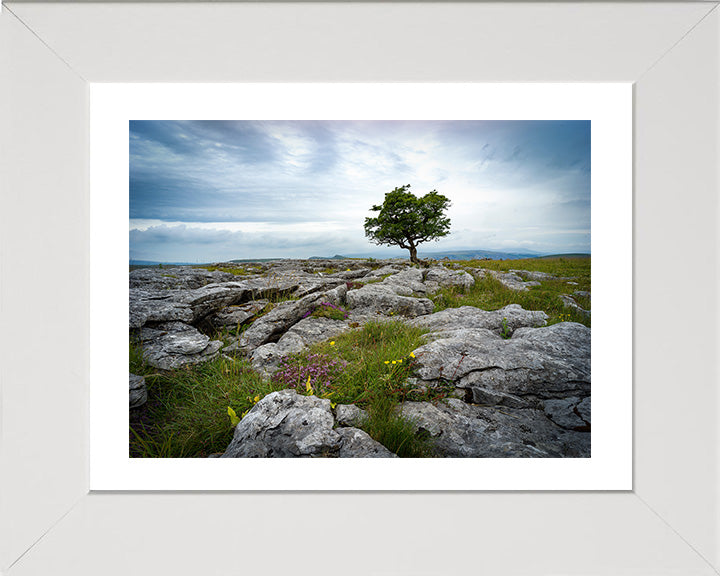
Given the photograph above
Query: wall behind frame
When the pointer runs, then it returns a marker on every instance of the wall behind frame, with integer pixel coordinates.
(43, 288)
(676, 341)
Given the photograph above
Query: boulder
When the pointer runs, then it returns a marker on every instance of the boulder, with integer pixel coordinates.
(138, 391)
(357, 443)
(407, 282)
(271, 326)
(350, 415)
(513, 281)
(569, 302)
(562, 411)
(536, 363)
(237, 314)
(440, 277)
(583, 410)
(266, 358)
(460, 430)
(382, 299)
(532, 275)
(173, 344)
(285, 424)
(150, 305)
(470, 317)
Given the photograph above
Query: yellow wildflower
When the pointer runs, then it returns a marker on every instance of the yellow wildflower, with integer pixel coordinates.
(332, 343)
(412, 355)
(387, 361)
(393, 362)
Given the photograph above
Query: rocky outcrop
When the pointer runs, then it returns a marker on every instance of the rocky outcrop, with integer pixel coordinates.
(569, 302)
(287, 425)
(138, 391)
(173, 344)
(440, 277)
(513, 281)
(383, 299)
(178, 278)
(271, 326)
(266, 358)
(461, 430)
(466, 317)
(237, 314)
(535, 364)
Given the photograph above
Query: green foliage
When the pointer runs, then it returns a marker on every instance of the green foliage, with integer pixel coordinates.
(396, 433)
(505, 331)
(489, 293)
(186, 415)
(406, 221)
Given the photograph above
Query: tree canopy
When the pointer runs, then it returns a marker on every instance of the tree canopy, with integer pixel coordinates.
(405, 220)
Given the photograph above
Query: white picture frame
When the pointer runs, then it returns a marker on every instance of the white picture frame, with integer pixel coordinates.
(668, 523)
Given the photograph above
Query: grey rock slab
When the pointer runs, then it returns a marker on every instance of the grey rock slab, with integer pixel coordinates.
(460, 430)
(266, 358)
(383, 299)
(471, 317)
(569, 302)
(583, 410)
(562, 412)
(184, 278)
(238, 314)
(547, 362)
(513, 281)
(406, 282)
(350, 415)
(280, 319)
(532, 275)
(285, 424)
(440, 277)
(357, 443)
(151, 305)
(173, 344)
(138, 390)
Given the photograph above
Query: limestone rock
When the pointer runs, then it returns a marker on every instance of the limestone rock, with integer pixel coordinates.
(237, 314)
(181, 277)
(406, 282)
(513, 281)
(275, 323)
(266, 358)
(357, 443)
(285, 424)
(547, 362)
(383, 299)
(470, 317)
(562, 412)
(138, 391)
(460, 430)
(173, 344)
(350, 415)
(440, 277)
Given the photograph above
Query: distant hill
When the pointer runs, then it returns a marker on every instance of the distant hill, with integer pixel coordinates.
(336, 257)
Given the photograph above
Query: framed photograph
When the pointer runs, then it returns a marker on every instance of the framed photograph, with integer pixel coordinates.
(523, 439)
(68, 162)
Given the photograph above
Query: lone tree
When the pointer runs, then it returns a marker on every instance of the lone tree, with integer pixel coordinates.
(405, 220)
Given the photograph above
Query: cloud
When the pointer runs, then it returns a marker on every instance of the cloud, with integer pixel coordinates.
(508, 177)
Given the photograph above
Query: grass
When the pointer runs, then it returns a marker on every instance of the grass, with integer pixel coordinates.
(489, 293)
(186, 414)
(236, 270)
(187, 410)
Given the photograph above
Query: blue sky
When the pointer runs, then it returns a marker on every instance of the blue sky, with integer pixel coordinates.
(210, 191)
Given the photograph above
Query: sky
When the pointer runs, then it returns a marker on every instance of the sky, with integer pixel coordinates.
(213, 191)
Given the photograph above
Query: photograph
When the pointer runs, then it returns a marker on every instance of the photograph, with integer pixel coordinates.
(360, 289)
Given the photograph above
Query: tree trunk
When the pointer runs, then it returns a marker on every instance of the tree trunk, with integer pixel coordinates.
(413, 254)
